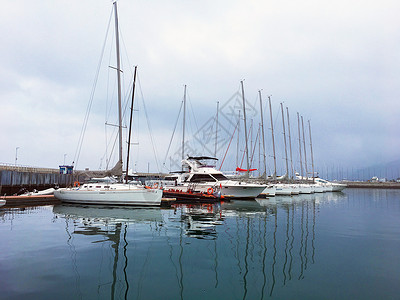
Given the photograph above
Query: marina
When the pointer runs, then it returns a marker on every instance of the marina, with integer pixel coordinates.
(225, 203)
(318, 246)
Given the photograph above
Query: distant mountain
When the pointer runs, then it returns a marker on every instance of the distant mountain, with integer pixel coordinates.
(389, 170)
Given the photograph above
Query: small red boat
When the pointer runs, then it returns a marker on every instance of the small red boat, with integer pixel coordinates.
(191, 196)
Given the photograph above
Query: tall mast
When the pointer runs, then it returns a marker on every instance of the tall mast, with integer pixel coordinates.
(305, 152)
(216, 131)
(238, 139)
(273, 139)
(130, 125)
(301, 161)
(245, 132)
(284, 139)
(183, 125)
(263, 137)
(119, 84)
(290, 143)
(312, 156)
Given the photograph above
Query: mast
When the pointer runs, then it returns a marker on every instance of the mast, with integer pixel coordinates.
(245, 132)
(216, 131)
(183, 125)
(301, 161)
(130, 125)
(263, 136)
(312, 156)
(305, 152)
(119, 84)
(238, 138)
(273, 139)
(284, 139)
(290, 143)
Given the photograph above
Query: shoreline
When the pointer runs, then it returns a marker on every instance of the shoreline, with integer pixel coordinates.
(372, 185)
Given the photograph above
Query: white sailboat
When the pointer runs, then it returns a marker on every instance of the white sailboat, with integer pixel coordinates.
(112, 193)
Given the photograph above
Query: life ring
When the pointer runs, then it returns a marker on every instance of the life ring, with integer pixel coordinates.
(77, 184)
(210, 191)
(155, 185)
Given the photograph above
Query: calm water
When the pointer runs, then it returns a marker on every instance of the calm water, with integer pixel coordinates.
(325, 246)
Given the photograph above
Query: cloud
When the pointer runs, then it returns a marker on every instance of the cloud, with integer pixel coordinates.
(336, 63)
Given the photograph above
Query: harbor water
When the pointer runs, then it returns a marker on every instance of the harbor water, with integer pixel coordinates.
(322, 246)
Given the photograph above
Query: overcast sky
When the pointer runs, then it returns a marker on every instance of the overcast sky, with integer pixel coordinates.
(337, 63)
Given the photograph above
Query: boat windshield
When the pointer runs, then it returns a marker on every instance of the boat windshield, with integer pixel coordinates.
(201, 178)
(219, 176)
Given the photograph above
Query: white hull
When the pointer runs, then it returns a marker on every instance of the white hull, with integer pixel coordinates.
(231, 189)
(328, 187)
(295, 189)
(2, 202)
(242, 191)
(49, 191)
(338, 187)
(305, 189)
(318, 188)
(269, 191)
(101, 196)
(283, 189)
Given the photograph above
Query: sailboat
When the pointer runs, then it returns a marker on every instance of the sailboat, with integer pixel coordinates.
(117, 192)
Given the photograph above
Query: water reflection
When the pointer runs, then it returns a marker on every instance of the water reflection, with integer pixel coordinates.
(246, 248)
(200, 221)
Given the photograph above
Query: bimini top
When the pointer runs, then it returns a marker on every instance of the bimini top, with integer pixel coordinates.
(201, 157)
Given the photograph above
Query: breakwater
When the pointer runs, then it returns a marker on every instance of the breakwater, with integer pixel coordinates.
(14, 179)
(372, 185)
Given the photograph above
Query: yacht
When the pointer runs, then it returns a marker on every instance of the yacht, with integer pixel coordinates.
(201, 175)
(330, 186)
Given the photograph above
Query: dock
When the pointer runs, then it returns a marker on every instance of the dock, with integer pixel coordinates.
(30, 200)
(37, 200)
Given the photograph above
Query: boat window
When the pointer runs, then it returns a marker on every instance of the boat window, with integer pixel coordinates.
(201, 178)
(219, 176)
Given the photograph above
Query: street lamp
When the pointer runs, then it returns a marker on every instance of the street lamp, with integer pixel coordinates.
(16, 155)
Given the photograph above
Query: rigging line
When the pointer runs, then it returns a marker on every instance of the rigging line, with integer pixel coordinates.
(244, 151)
(191, 107)
(170, 142)
(126, 52)
(254, 148)
(114, 133)
(149, 128)
(86, 119)
(229, 145)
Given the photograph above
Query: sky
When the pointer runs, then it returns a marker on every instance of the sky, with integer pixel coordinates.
(337, 63)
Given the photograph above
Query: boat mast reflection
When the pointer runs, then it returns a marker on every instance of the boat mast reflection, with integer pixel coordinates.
(107, 223)
(258, 247)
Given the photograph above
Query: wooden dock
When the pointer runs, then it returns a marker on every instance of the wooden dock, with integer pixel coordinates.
(30, 200)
